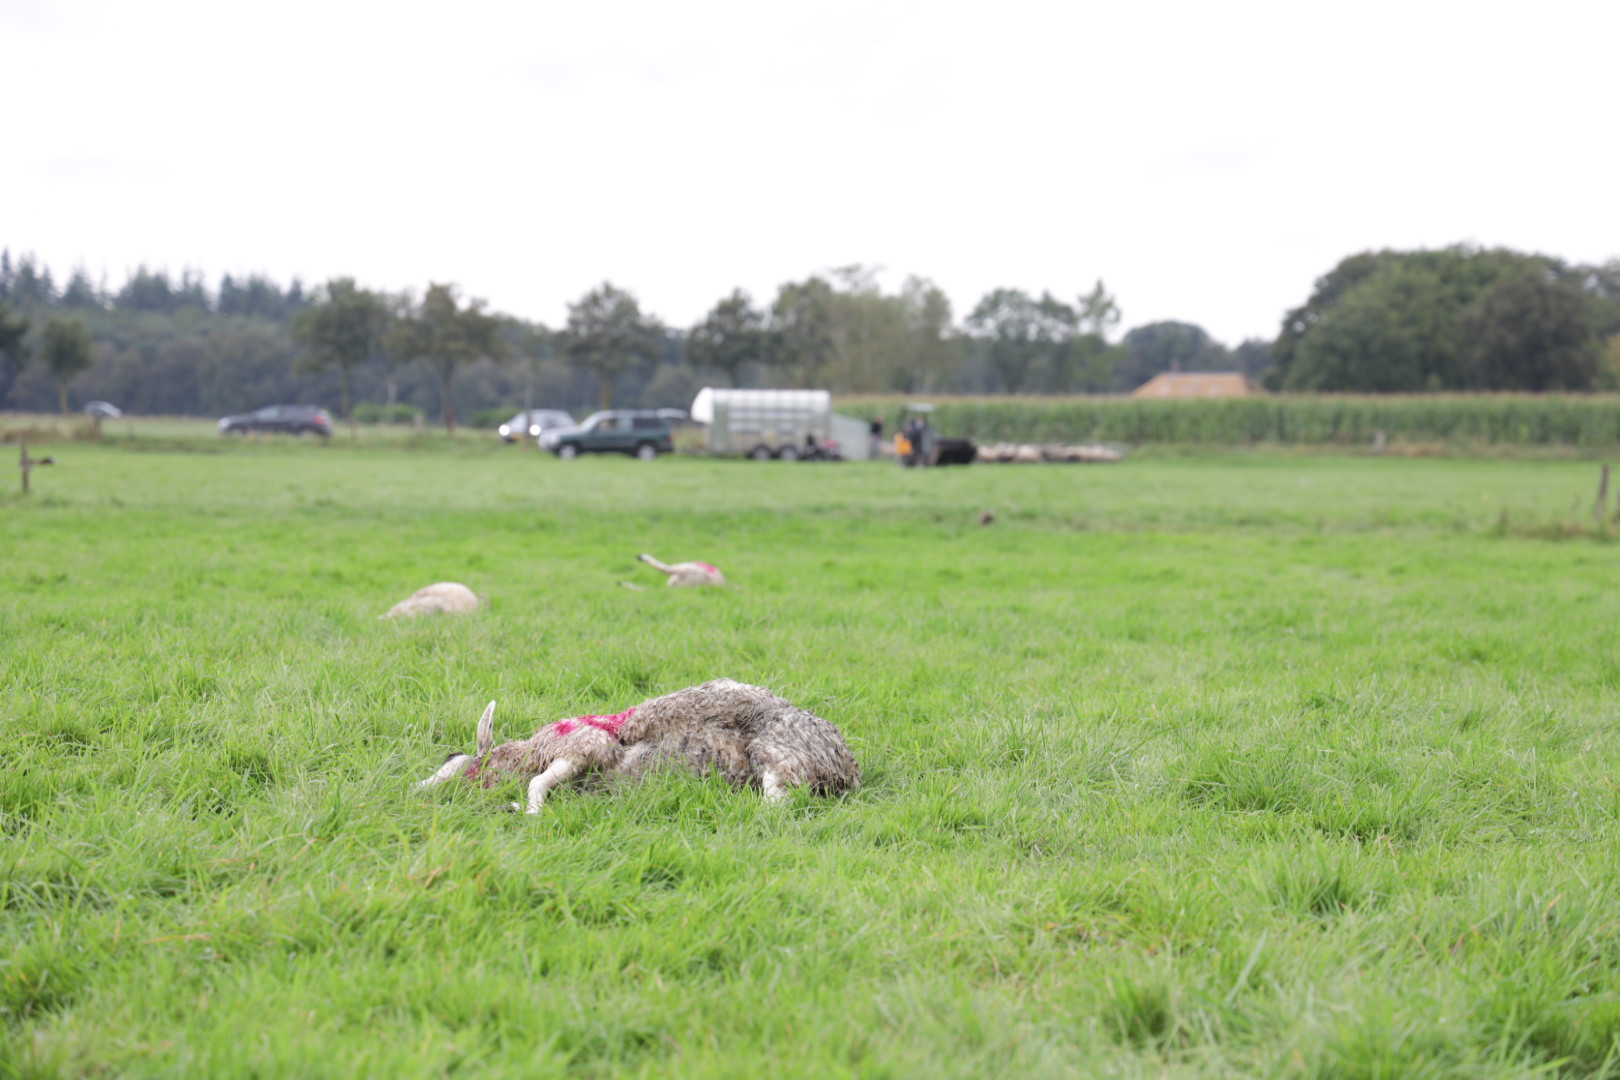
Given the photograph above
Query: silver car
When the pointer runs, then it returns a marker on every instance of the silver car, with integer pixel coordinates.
(533, 423)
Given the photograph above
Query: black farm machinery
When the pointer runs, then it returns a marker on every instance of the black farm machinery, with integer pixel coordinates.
(917, 443)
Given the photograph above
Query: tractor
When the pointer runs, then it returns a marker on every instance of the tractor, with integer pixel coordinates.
(917, 443)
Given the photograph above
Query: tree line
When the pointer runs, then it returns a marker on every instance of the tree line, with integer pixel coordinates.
(1456, 318)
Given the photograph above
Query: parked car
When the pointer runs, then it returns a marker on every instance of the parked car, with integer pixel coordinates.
(642, 433)
(287, 419)
(102, 410)
(538, 420)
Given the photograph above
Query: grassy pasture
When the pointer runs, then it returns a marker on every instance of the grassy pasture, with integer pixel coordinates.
(1243, 765)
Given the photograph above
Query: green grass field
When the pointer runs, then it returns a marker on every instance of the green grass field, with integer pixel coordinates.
(1253, 764)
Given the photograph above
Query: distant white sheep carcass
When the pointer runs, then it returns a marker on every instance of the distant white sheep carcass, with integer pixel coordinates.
(687, 573)
(445, 596)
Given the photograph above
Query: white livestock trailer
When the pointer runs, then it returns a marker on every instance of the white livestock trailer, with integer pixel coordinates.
(784, 424)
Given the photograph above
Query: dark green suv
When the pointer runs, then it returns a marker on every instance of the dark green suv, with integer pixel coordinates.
(642, 434)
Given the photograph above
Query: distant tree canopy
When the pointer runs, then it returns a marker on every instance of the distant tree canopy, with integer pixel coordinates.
(801, 342)
(1045, 345)
(1252, 357)
(1454, 319)
(152, 291)
(13, 350)
(1021, 332)
(1530, 333)
(27, 284)
(177, 347)
(881, 341)
(731, 337)
(447, 335)
(608, 334)
(930, 354)
(257, 295)
(68, 349)
(344, 329)
(1388, 321)
(844, 333)
(1157, 347)
(80, 292)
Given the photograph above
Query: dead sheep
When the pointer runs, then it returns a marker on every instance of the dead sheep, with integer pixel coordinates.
(686, 573)
(446, 596)
(745, 733)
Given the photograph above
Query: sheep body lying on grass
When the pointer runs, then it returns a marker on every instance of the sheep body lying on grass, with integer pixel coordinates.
(686, 573)
(445, 596)
(745, 733)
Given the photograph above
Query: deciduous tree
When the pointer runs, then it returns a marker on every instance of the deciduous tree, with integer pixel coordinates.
(869, 334)
(801, 329)
(1020, 331)
(732, 336)
(1167, 345)
(1099, 312)
(931, 352)
(1393, 321)
(1530, 333)
(396, 308)
(68, 349)
(1088, 364)
(607, 333)
(342, 330)
(446, 335)
(849, 335)
(1397, 331)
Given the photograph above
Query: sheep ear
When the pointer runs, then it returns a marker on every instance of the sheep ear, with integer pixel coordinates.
(486, 730)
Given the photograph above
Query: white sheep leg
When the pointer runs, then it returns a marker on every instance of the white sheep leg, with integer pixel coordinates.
(561, 771)
(453, 767)
(774, 790)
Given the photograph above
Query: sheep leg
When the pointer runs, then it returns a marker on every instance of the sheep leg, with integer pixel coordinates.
(560, 772)
(771, 786)
(453, 767)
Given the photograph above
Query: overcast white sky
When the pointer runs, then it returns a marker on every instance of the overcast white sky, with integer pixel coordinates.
(1206, 160)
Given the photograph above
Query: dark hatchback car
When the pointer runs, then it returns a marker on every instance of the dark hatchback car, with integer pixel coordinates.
(283, 419)
(643, 434)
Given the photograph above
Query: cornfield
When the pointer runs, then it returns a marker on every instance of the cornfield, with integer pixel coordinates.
(1303, 420)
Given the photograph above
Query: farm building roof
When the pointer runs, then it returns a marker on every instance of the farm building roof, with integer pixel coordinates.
(1198, 384)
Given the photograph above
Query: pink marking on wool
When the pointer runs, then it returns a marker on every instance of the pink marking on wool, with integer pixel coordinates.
(610, 724)
(709, 568)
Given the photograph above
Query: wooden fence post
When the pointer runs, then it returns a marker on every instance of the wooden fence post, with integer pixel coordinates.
(1602, 502)
(28, 464)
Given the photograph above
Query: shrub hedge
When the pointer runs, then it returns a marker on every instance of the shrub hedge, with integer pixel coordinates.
(372, 412)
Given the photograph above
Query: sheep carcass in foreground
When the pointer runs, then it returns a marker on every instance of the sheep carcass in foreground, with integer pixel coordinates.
(745, 733)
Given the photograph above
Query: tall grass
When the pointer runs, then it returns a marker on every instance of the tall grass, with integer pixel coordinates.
(1261, 765)
(1513, 420)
